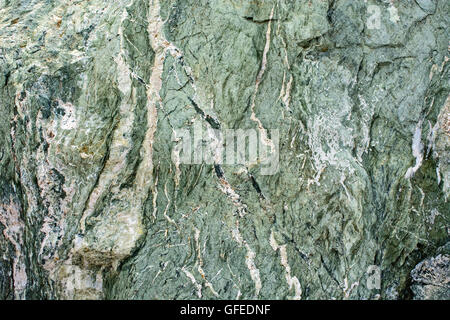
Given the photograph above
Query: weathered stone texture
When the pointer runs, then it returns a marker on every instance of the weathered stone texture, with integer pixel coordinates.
(431, 278)
(93, 207)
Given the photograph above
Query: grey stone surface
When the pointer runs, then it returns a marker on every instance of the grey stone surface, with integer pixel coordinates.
(92, 205)
(431, 279)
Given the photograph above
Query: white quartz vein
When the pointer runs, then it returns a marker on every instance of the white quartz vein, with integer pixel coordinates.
(291, 281)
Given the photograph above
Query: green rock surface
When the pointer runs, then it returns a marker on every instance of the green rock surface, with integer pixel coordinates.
(92, 205)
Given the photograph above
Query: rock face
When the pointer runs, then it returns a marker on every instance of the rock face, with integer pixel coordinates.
(351, 98)
(432, 278)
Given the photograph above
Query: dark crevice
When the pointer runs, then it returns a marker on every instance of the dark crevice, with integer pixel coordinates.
(252, 19)
(256, 186)
(214, 123)
(219, 171)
